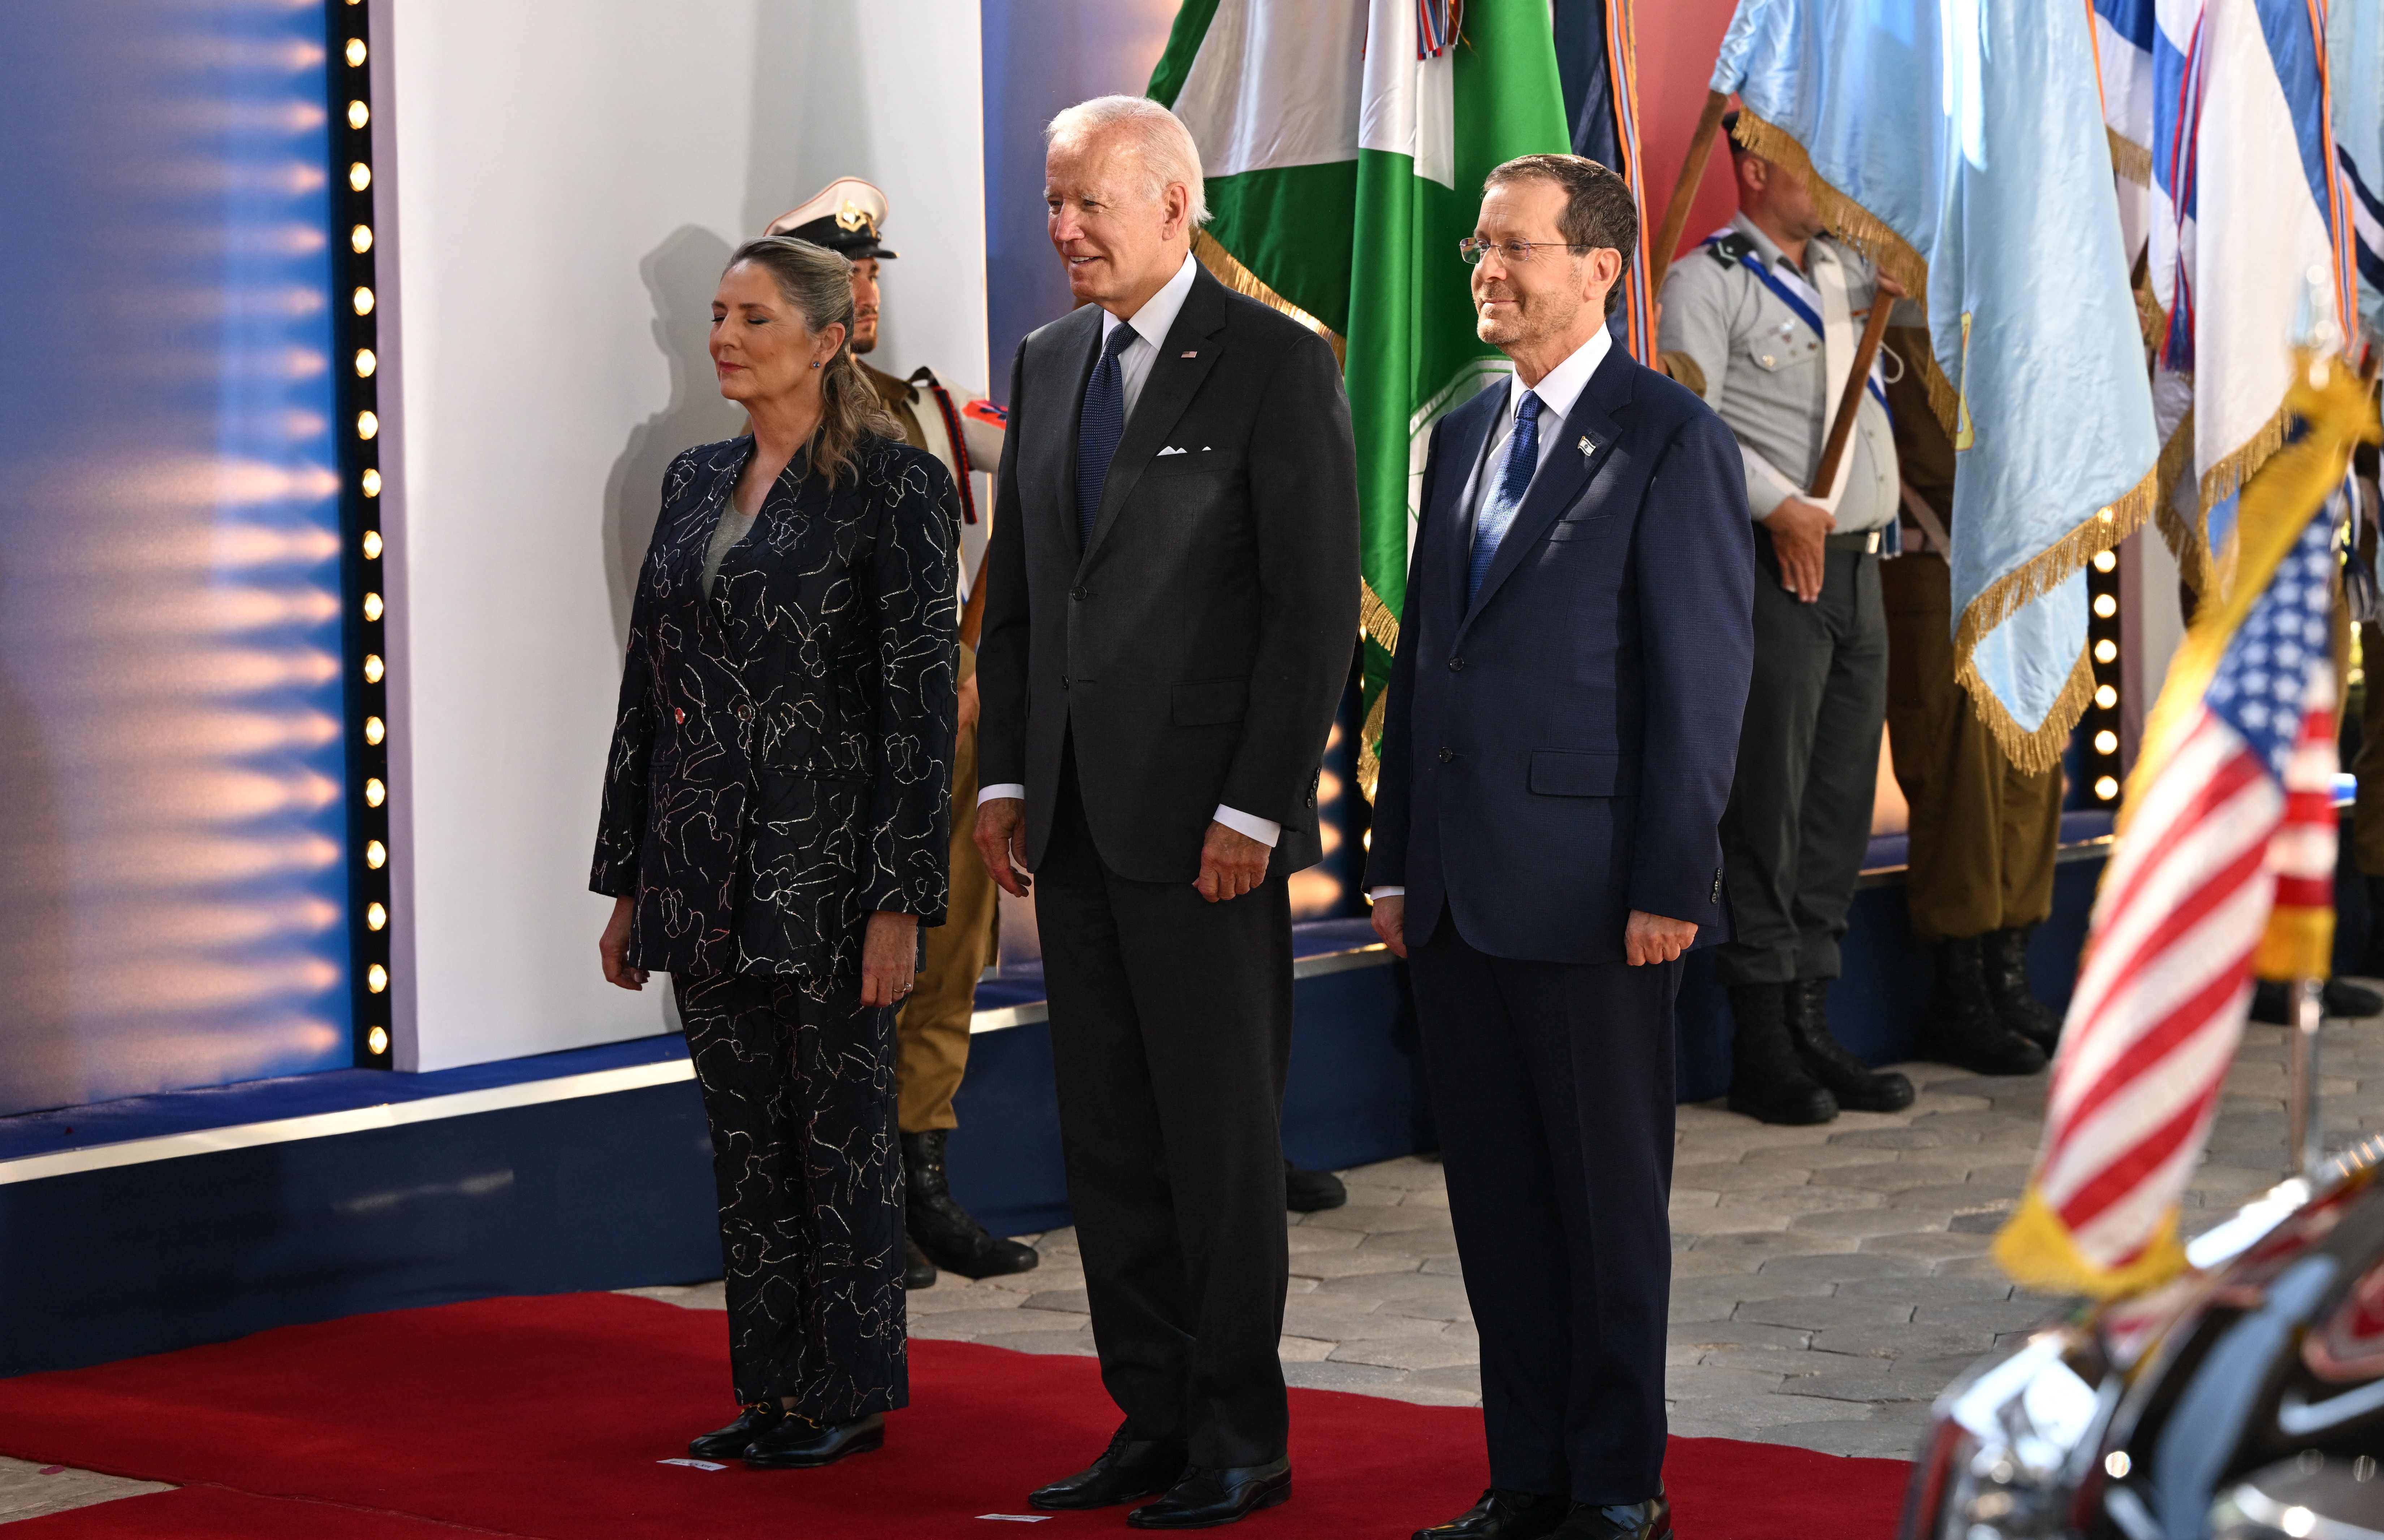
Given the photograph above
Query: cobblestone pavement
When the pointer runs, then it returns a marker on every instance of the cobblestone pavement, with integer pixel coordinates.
(1826, 1282)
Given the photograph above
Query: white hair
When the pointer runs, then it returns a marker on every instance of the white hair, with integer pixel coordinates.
(1161, 143)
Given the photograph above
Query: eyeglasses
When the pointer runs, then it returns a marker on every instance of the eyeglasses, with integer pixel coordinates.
(1512, 253)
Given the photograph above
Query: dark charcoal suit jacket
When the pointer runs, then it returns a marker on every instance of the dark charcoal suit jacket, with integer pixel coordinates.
(781, 765)
(1196, 651)
(1558, 754)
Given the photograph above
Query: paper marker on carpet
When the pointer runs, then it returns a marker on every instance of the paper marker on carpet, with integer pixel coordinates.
(1016, 1518)
(695, 1464)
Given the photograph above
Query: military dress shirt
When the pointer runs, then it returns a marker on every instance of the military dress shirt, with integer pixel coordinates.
(1765, 377)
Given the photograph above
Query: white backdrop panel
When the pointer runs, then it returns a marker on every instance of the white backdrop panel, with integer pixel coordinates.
(561, 184)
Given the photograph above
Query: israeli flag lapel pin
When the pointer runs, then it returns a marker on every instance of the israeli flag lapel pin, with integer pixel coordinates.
(1588, 446)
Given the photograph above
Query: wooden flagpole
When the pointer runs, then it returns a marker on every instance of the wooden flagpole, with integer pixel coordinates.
(1833, 448)
(1684, 191)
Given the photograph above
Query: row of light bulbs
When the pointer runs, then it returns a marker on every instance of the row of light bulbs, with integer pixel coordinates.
(367, 365)
(2106, 652)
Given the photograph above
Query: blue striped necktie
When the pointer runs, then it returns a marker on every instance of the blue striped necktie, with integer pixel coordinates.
(1100, 423)
(1506, 493)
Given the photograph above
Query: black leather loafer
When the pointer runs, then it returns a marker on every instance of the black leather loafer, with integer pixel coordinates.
(1308, 1192)
(799, 1443)
(1129, 1470)
(729, 1442)
(1651, 1520)
(1204, 1497)
(917, 1270)
(1504, 1515)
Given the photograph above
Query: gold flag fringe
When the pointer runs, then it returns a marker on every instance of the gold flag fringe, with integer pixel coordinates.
(1867, 233)
(2130, 160)
(2224, 479)
(2188, 540)
(1370, 746)
(2036, 750)
(1226, 269)
(1375, 619)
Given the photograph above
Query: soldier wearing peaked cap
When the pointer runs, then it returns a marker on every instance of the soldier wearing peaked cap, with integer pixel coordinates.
(964, 430)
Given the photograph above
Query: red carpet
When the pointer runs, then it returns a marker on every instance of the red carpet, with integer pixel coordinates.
(549, 1417)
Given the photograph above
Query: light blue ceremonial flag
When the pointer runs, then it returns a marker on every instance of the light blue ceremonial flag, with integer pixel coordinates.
(1961, 143)
(2355, 48)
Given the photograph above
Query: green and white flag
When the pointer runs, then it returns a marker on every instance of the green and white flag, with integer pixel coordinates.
(1345, 142)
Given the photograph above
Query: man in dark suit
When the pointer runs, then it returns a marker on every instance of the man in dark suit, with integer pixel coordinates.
(1172, 596)
(1558, 748)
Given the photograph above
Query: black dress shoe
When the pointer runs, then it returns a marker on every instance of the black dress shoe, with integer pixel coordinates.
(798, 1442)
(1768, 1081)
(2351, 1002)
(1651, 1520)
(1855, 1084)
(1307, 1192)
(1504, 1515)
(917, 1270)
(729, 1442)
(1204, 1497)
(947, 1235)
(1129, 1470)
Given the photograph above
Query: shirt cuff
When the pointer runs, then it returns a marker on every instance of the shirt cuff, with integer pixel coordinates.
(1379, 894)
(989, 794)
(1266, 831)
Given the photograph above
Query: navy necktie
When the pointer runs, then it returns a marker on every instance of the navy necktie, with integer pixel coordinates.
(1506, 493)
(1100, 423)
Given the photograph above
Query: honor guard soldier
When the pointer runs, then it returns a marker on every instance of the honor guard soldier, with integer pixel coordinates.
(964, 430)
(1769, 310)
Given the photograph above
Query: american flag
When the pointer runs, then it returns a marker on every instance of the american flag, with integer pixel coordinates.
(2228, 848)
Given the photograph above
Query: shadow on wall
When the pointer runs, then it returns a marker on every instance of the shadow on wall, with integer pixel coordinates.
(810, 122)
(36, 1017)
(681, 276)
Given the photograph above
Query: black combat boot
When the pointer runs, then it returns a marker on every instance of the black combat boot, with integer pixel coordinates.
(947, 1233)
(1766, 1079)
(1855, 1083)
(1964, 1027)
(2006, 964)
(917, 1270)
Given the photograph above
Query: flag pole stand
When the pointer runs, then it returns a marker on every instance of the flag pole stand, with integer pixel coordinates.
(2304, 1131)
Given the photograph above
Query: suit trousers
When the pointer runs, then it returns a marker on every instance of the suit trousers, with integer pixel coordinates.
(1170, 1036)
(799, 1094)
(931, 1031)
(1798, 823)
(1552, 1086)
(1983, 831)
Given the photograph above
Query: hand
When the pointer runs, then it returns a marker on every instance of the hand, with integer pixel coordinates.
(612, 947)
(1798, 531)
(967, 719)
(889, 955)
(1001, 843)
(1653, 938)
(1390, 922)
(1231, 864)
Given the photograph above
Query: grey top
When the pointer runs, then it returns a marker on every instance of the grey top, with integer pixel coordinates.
(733, 526)
(1766, 377)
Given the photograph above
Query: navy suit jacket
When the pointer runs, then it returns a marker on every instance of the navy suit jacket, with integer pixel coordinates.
(1558, 754)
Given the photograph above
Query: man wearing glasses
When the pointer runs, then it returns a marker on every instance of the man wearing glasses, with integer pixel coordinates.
(1562, 722)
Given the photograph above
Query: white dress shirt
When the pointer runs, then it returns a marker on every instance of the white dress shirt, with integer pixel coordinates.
(1151, 325)
(1558, 390)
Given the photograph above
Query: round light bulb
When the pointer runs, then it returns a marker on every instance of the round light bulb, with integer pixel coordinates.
(359, 176)
(374, 730)
(372, 545)
(367, 425)
(375, 792)
(376, 916)
(2107, 787)
(2104, 561)
(377, 1042)
(373, 671)
(2106, 697)
(363, 300)
(372, 606)
(356, 52)
(375, 854)
(2116, 1465)
(365, 363)
(2106, 606)
(371, 483)
(376, 977)
(359, 115)
(2105, 742)
(2107, 651)
(360, 239)
(2103, 515)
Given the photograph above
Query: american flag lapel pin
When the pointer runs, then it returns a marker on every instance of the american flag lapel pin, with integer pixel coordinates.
(1194, 354)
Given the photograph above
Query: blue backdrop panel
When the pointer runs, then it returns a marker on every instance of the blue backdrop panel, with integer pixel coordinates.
(172, 907)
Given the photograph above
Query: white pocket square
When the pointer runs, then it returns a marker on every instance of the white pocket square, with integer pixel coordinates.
(1174, 452)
